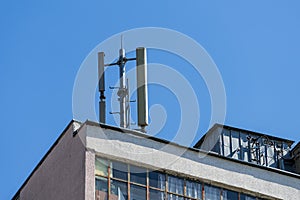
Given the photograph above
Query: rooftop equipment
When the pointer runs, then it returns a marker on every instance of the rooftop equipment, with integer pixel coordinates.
(123, 90)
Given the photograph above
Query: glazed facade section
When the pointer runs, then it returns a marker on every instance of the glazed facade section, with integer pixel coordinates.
(256, 148)
(121, 181)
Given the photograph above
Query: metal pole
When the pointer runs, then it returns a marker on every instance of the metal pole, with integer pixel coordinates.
(122, 90)
(127, 105)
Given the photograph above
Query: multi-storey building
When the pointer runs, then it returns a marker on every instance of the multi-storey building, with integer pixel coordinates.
(96, 161)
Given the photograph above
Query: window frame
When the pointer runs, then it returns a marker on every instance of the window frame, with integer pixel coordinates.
(165, 187)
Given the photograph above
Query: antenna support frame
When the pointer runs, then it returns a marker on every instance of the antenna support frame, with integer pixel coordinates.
(123, 90)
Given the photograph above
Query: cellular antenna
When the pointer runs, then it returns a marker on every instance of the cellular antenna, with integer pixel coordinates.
(123, 89)
(101, 78)
(142, 91)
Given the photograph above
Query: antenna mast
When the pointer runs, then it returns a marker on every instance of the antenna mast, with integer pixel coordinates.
(123, 90)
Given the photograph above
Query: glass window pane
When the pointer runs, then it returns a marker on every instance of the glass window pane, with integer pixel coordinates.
(156, 195)
(157, 180)
(120, 170)
(101, 184)
(194, 189)
(174, 197)
(212, 193)
(244, 149)
(271, 156)
(118, 190)
(235, 144)
(137, 192)
(100, 195)
(101, 188)
(175, 184)
(101, 166)
(247, 197)
(226, 139)
(230, 195)
(138, 175)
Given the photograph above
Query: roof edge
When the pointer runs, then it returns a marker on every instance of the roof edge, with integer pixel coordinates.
(138, 133)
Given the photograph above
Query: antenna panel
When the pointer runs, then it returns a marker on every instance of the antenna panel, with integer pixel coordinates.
(142, 91)
(101, 77)
(102, 104)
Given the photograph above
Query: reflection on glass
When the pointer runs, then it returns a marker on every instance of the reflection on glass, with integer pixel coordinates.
(101, 188)
(118, 190)
(230, 195)
(119, 170)
(138, 175)
(101, 167)
(235, 141)
(101, 184)
(137, 192)
(247, 197)
(226, 145)
(193, 189)
(175, 184)
(212, 193)
(156, 195)
(157, 180)
(174, 197)
(174, 188)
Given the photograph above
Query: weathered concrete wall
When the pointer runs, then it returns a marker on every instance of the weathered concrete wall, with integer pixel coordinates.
(62, 173)
(146, 152)
(90, 176)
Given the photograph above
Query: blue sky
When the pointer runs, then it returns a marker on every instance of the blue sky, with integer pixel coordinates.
(255, 45)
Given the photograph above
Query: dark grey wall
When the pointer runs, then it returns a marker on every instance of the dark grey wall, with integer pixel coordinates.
(62, 174)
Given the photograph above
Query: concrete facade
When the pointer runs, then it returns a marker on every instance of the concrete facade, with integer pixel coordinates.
(60, 174)
(68, 169)
(141, 150)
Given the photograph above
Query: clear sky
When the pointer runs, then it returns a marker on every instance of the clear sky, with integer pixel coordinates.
(255, 45)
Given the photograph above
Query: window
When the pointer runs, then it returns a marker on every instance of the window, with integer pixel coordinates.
(138, 175)
(101, 188)
(235, 144)
(118, 190)
(101, 167)
(174, 197)
(212, 193)
(137, 192)
(226, 142)
(230, 195)
(193, 189)
(157, 180)
(245, 147)
(119, 170)
(176, 185)
(156, 194)
(246, 197)
(120, 181)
